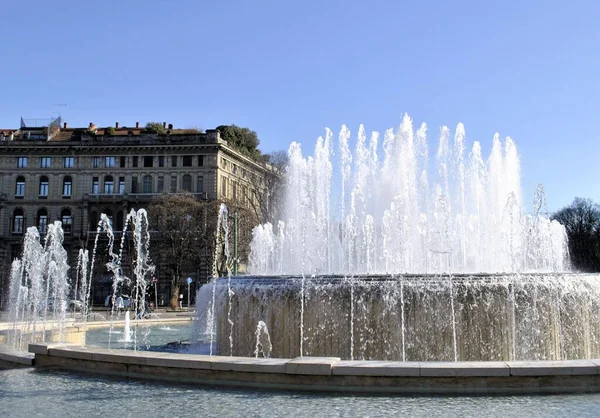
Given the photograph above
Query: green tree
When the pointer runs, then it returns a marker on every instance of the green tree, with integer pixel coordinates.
(581, 220)
(244, 140)
(155, 128)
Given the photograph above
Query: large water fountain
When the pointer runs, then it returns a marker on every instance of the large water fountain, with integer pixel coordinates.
(403, 256)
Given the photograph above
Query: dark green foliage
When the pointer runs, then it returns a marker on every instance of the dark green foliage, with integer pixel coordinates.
(243, 140)
(581, 219)
(155, 128)
(110, 131)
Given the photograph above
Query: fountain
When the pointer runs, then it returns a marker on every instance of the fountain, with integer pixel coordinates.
(414, 259)
(40, 286)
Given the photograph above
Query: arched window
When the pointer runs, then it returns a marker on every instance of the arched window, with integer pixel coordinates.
(67, 221)
(18, 223)
(20, 187)
(186, 182)
(67, 186)
(109, 185)
(43, 191)
(147, 186)
(93, 221)
(42, 221)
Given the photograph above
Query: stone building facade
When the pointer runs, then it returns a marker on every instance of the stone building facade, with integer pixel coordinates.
(74, 174)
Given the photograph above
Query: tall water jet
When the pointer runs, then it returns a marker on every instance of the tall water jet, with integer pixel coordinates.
(39, 287)
(405, 212)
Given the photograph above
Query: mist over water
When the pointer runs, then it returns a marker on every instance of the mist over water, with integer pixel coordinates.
(365, 204)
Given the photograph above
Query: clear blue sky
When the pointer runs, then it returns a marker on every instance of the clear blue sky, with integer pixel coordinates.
(527, 69)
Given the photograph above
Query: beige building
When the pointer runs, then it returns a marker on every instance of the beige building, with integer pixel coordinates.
(55, 172)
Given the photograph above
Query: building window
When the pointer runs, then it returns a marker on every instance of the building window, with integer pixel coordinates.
(134, 184)
(147, 184)
(223, 187)
(161, 161)
(95, 185)
(20, 187)
(187, 161)
(45, 162)
(234, 189)
(200, 160)
(121, 185)
(135, 161)
(18, 221)
(149, 161)
(42, 221)
(67, 186)
(200, 184)
(43, 192)
(69, 162)
(161, 184)
(96, 162)
(174, 161)
(173, 184)
(186, 182)
(67, 221)
(22, 162)
(109, 185)
(122, 162)
(109, 162)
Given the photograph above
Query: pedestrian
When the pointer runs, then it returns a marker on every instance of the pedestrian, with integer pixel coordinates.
(181, 301)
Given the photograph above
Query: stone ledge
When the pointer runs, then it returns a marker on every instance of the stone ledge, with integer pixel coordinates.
(320, 366)
(464, 369)
(376, 368)
(250, 365)
(552, 368)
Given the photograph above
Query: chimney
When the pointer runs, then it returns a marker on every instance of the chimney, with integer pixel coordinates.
(116, 125)
(65, 125)
(137, 125)
(170, 126)
(164, 125)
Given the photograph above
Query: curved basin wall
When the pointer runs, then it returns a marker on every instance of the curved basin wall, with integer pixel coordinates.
(414, 318)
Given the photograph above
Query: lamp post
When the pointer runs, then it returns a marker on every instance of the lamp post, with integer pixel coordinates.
(155, 281)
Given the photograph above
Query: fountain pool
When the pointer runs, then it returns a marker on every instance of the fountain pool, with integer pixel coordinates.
(26, 392)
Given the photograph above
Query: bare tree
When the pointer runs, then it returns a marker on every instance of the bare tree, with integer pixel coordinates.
(185, 234)
(581, 220)
(267, 190)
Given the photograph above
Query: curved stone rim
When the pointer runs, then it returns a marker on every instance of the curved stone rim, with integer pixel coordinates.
(330, 374)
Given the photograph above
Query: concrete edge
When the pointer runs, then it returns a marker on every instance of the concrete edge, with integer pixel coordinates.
(323, 366)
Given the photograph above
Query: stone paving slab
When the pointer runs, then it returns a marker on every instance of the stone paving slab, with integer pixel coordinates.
(177, 360)
(376, 368)
(464, 368)
(10, 356)
(311, 365)
(552, 368)
(251, 365)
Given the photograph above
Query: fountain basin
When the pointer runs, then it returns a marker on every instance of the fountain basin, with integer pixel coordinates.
(484, 317)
